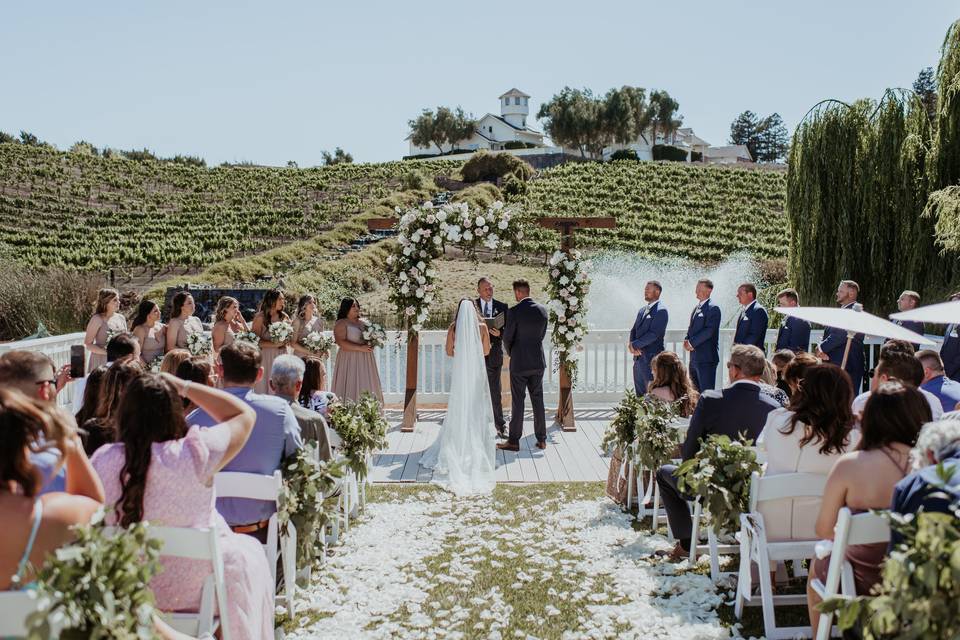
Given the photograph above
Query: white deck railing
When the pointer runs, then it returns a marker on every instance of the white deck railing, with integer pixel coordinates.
(605, 368)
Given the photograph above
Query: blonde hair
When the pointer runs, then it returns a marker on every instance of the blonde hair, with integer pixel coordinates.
(172, 360)
(223, 304)
(104, 296)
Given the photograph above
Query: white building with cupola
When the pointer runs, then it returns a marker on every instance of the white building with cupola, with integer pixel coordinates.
(508, 130)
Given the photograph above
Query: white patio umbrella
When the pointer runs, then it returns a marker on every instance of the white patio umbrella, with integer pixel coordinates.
(854, 320)
(940, 313)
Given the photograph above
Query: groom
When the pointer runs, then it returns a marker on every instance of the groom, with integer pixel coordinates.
(523, 339)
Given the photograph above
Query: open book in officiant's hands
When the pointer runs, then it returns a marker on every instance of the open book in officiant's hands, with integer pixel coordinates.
(496, 322)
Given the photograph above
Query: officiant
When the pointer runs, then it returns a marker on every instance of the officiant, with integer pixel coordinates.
(494, 313)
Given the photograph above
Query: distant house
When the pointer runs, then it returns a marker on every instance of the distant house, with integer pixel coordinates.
(731, 154)
(494, 132)
(683, 138)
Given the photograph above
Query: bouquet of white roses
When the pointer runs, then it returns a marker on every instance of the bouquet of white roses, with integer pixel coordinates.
(199, 344)
(247, 336)
(318, 343)
(373, 334)
(111, 334)
(280, 332)
(154, 365)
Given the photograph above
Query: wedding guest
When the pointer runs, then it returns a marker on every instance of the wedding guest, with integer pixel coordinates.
(149, 331)
(740, 409)
(199, 370)
(807, 437)
(355, 370)
(491, 308)
(286, 380)
(768, 385)
(33, 525)
(227, 321)
(172, 360)
(864, 479)
(276, 436)
(182, 321)
(703, 338)
(950, 348)
(271, 311)
(909, 300)
(646, 336)
(123, 346)
(91, 394)
(794, 372)
(101, 427)
(834, 343)
(936, 382)
(312, 396)
(671, 382)
(794, 335)
(751, 327)
(897, 362)
(106, 320)
(780, 360)
(161, 471)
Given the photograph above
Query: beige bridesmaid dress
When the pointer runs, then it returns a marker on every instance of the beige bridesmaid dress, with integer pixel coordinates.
(118, 324)
(355, 371)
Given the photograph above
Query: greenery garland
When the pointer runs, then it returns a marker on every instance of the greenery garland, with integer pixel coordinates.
(648, 423)
(306, 482)
(362, 428)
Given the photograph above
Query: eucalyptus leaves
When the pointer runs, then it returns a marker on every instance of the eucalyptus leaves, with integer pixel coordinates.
(649, 424)
(306, 482)
(362, 428)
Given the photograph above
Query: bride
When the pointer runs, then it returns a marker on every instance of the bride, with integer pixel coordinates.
(463, 458)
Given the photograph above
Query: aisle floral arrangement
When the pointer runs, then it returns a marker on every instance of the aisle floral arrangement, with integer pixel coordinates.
(424, 232)
(567, 287)
(306, 482)
(199, 344)
(362, 428)
(649, 424)
(318, 343)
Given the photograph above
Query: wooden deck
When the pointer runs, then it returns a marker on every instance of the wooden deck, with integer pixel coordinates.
(569, 456)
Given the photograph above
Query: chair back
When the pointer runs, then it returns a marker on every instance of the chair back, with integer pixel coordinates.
(255, 486)
(15, 606)
(785, 485)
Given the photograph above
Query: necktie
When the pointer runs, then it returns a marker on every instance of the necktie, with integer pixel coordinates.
(489, 311)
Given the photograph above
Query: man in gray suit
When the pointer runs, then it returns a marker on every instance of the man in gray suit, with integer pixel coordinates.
(286, 378)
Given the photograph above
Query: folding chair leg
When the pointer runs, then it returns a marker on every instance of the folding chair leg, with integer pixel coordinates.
(289, 555)
(695, 532)
(714, 555)
(766, 597)
(655, 516)
(743, 574)
(629, 466)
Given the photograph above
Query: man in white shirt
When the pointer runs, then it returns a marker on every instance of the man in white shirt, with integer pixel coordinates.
(897, 362)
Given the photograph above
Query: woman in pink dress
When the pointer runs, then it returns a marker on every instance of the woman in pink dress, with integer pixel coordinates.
(178, 491)
(106, 320)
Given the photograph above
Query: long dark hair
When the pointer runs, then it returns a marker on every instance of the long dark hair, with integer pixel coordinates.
(345, 305)
(823, 403)
(26, 426)
(101, 425)
(177, 304)
(312, 378)
(894, 412)
(91, 394)
(668, 371)
(150, 412)
(268, 303)
(144, 309)
(304, 301)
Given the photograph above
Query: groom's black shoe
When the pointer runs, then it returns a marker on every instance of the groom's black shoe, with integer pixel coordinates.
(506, 446)
(541, 444)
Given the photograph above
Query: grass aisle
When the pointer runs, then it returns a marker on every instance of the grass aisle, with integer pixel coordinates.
(534, 561)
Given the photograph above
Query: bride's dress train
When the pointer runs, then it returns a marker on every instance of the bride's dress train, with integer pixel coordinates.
(463, 458)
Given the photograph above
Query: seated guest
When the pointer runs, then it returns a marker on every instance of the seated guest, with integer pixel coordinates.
(780, 360)
(671, 382)
(31, 525)
(276, 436)
(936, 382)
(196, 369)
(35, 375)
(925, 489)
(286, 379)
(794, 335)
(950, 348)
(740, 409)
(161, 471)
(172, 360)
(100, 428)
(312, 396)
(123, 345)
(793, 373)
(897, 362)
(807, 437)
(864, 479)
(91, 394)
(768, 385)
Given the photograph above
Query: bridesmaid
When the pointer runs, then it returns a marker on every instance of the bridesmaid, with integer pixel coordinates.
(306, 322)
(182, 321)
(355, 370)
(149, 331)
(227, 322)
(271, 310)
(106, 318)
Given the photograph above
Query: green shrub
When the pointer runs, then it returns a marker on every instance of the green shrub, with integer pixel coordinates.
(624, 154)
(514, 188)
(61, 300)
(669, 152)
(490, 166)
(480, 196)
(518, 144)
(696, 156)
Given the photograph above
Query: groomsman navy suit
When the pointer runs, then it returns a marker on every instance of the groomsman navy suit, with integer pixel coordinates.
(491, 308)
(703, 341)
(950, 352)
(909, 300)
(794, 335)
(753, 320)
(646, 336)
(835, 340)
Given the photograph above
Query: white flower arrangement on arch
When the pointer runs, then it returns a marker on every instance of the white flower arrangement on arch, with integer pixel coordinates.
(423, 233)
(567, 287)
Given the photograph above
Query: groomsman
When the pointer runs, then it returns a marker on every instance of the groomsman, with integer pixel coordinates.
(491, 308)
(834, 341)
(646, 336)
(703, 338)
(752, 321)
(950, 349)
(795, 333)
(909, 300)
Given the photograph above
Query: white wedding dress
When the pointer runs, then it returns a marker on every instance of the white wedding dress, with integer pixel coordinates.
(463, 458)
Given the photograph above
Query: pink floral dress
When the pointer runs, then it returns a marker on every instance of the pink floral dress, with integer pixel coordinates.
(180, 493)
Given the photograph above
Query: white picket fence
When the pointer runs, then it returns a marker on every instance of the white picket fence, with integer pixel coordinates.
(605, 367)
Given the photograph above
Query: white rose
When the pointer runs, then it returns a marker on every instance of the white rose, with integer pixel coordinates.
(423, 254)
(437, 240)
(570, 264)
(564, 293)
(404, 289)
(421, 266)
(571, 322)
(564, 280)
(428, 205)
(409, 311)
(555, 273)
(481, 221)
(419, 292)
(502, 224)
(403, 276)
(421, 280)
(497, 205)
(431, 218)
(561, 318)
(467, 235)
(407, 251)
(486, 229)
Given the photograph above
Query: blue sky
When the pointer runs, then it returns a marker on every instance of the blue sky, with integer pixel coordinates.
(276, 81)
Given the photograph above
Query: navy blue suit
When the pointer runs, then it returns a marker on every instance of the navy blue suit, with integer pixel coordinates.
(833, 344)
(794, 335)
(703, 334)
(950, 352)
(911, 325)
(647, 336)
(739, 409)
(925, 489)
(752, 326)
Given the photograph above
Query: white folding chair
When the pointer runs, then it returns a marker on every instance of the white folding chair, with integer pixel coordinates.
(15, 606)
(254, 486)
(863, 528)
(768, 556)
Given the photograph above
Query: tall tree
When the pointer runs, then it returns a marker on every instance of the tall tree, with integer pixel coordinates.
(29, 139)
(773, 140)
(664, 119)
(571, 119)
(925, 86)
(446, 126)
(743, 131)
(339, 156)
(6, 137)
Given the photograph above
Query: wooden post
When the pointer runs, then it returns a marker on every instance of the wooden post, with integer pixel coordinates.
(566, 227)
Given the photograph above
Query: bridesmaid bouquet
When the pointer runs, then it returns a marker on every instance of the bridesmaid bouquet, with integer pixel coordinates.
(154, 365)
(280, 332)
(247, 336)
(111, 334)
(374, 335)
(318, 343)
(199, 344)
